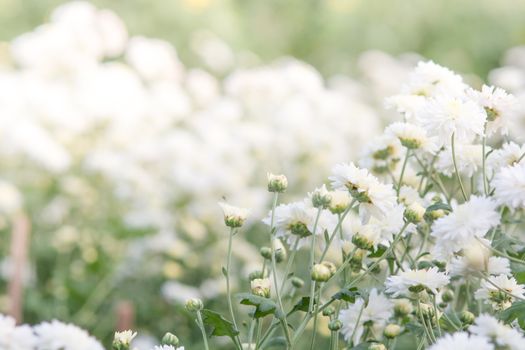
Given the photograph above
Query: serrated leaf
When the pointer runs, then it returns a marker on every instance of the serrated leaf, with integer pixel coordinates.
(515, 312)
(263, 306)
(219, 325)
(301, 305)
(347, 295)
(381, 249)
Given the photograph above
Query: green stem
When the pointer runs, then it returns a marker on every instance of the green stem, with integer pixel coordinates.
(436, 314)
(456, 167)
(337, 228)
(290, 262)
(203, 331)
(483, 161)
(403, 171)
(228, 287)
(312, 258)
(316, 311)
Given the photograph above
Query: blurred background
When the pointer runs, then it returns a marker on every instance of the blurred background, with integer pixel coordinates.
(123, 122)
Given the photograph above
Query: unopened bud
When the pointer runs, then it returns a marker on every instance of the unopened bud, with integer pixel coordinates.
(261, 287)
(321, 273)
(328, 311)
(194, 305)
(266, 252)
(414, 213)
(447, 296)
(170, 339)
(467, 317)
(277, 183)
(403, 307)
(335, 325)
(280, 250)
(392, 330)
(339, 201)
(233, 216)
(256, 274)
(320, 197)
(297, 282)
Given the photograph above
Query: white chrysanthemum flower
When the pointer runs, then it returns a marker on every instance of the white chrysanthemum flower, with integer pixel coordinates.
(462, 341)
(381, 155)
(414, 281)
(233, 216)
(376, 314)
(339, 201)
(168, 347)
(467, 221)
(501, 108)
(468, 159)
(429, 79)
(409, 195)
(476, 258)
(56, 335)
(14, 337)
(296, 221)
(446, 115)
(124, 337)
(408, 105)
(507, 155)
(391, 224)
(366, 236)
(375, 198)
(500, 291)
(501, 335)
(412, 136)
(509, 185)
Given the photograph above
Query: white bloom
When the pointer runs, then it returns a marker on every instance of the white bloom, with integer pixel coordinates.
(56, 335)
(507, 155)
(377, 312)
(509, 183)
(429, 79)
(476, 258)
(408, 105)
(501, 108)
(446, 115)
(339, 201)
(124, 337)
(375, 198)
(503, 336)
(415, 281)
(261, 287)
(462, 341)
(412, 136)
(381, 155)
(467, 221)
(468, 159)
(168, 347)
(233, 216)
(14, 337)
(502, 296)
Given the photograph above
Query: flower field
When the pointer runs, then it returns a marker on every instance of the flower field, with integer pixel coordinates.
(148, 201)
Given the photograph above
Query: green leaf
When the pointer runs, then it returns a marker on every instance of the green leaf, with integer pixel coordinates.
(451, 322)
(263, 306)
(520, 277)
(438, 206)
(301, 305)
(224, 272)
(219, 325)
(348, 295)
(381, 249)
(515, 312)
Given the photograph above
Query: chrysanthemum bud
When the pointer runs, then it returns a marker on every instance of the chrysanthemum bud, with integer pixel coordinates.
(377, 346)
(467, 317)
(321, 273)
(256, 274)
(233, 216)
(414, 213)
(392, 330)
(331, 266)
(339, 201)
(297, 282)
(335, 325)
(328, 311)
(427, 310)
(280, 250)
(261, 287)
(122, 340)
(194, 304)
(277, 183)
(266, 252)
(362, 242)
(320, 197)
(403, 307)
(447, 296)
(170, 339)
